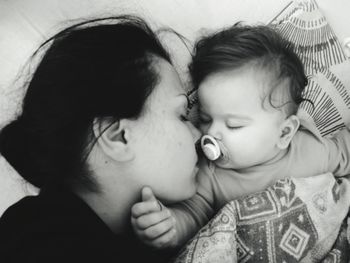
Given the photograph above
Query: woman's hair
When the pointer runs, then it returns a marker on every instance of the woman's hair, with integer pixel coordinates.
(258, 46)
(101, 68)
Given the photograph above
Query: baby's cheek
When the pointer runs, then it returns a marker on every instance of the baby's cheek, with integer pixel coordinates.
(242, 147)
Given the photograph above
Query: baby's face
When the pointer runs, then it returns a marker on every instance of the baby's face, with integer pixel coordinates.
(233, 110)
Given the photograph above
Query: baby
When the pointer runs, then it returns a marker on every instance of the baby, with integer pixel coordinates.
(250, 84)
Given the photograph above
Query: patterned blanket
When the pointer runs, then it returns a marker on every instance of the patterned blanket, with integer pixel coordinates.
(295, 220)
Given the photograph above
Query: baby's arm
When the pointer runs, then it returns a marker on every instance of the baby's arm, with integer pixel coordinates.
(331, 153)
(339, 152)
(169, 227)
(153, 222)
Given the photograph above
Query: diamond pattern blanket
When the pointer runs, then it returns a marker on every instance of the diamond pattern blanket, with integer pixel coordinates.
(295, 220)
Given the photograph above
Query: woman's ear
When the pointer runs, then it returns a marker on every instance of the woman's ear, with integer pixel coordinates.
(288, 129)
(113, 139)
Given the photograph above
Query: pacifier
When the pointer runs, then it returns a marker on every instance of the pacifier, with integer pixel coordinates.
(210, 147)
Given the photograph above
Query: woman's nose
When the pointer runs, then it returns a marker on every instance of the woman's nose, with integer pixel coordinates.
(196, 134)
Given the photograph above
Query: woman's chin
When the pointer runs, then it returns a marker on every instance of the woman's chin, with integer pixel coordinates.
(186, 192)
(191, 190)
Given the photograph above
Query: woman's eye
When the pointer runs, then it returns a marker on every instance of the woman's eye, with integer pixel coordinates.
(203, 120)
(183, 118)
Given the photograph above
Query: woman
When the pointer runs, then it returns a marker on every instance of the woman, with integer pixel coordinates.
(103, 116)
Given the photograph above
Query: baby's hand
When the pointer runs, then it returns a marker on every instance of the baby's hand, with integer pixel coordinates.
(153, 222)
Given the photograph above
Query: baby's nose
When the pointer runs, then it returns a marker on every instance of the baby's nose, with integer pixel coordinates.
(214, 131)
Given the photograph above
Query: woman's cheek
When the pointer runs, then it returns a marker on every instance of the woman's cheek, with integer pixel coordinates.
(203, 128)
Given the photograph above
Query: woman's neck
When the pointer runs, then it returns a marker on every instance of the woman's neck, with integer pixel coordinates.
(114, 212)
(116, 195)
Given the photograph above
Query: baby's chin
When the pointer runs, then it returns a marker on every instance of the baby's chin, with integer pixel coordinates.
(224, 163)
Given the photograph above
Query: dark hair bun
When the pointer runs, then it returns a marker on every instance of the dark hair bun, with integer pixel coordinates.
(14, 146)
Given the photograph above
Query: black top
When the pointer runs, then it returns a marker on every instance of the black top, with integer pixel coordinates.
(57, 226)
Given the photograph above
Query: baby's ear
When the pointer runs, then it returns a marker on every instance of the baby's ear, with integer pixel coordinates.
(288, 128)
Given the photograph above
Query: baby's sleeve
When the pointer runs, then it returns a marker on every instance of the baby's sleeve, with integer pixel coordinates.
(194, 213)
(330, 154)
(338, 147)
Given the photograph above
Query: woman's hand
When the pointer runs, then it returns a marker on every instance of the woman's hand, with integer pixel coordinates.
(153, 222)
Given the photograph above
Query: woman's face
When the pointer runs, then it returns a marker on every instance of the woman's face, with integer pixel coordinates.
(165, 141)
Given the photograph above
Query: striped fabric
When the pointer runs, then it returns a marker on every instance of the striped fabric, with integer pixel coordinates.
(326, 64)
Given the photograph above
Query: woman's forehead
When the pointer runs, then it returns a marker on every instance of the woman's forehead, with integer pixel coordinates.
(168, 91)
(169, 83)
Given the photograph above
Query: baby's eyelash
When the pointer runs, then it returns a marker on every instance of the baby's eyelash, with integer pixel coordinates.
(234, 127)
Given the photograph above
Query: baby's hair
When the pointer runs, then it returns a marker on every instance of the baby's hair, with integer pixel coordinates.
(260, 46)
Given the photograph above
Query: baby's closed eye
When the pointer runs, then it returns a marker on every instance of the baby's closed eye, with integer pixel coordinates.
(234, 127)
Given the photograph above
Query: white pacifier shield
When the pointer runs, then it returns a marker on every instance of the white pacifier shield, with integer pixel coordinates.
(210, 147)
